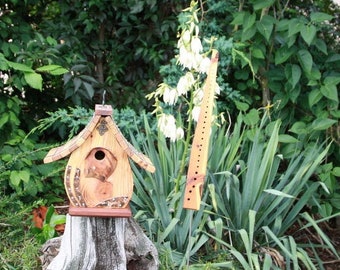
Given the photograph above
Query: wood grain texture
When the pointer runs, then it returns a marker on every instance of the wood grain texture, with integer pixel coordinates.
(66, 149)
(98, 172)
(100, 212)
(200, 145)
(91, 243)
(110, 177)
(101, 110)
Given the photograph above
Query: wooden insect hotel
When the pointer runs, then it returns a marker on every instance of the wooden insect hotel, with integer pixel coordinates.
(98, 178)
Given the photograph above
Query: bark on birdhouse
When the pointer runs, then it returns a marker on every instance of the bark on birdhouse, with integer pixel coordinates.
(98, 177)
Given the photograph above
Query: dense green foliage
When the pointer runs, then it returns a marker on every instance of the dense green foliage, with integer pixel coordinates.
(113, 45)
(284, 59)
(279, 62)
(248, 203)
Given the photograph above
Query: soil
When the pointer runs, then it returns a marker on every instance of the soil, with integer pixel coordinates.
(309, 235)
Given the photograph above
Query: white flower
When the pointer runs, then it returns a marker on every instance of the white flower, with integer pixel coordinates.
(196, 45)
(170, 95)
(167, 125)
(196, 113)
(185, 83)
(186, 36)
(186, 58)
(217, 89)
(4, 77)
(204, 65)
(198, 96)
(179, 133)
(197, 30)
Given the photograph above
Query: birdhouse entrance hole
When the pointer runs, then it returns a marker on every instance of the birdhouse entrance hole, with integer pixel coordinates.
(99, 155)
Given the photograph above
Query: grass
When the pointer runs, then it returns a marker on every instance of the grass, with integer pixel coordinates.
(18, 247)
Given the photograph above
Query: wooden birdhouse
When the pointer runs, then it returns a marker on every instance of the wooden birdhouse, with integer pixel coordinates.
(98, 178)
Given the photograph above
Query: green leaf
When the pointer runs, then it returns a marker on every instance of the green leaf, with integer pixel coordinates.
(330, 91)
(89, 89)
(296, 75)
(283, 54)
(260, 4)
(48, 232)
(14, 48)
(335, 200)
(314, 75)
(325, 209)
(15, 178)
(265, 26)
(6, 157)
(238, 18)
(34, 80)
(298, 128)
(57, 220)
(323, 124)
(257, 53)
(294, 26)
(333, 58)
(335, 113)
(336, 171)
(251, 118)
(306, 60)
(20, 67)
(314, 97)
(3, 119)
(308, 33)
(50, 212)
(242, 106)
(278, 193)
(320, 17)
(332, 80)
(248, 33)
(77, 83)
(3, 62)
(24, 176)
(168, 229)
(249, 21)
(285, 138)
(52, 69)
(321, 45)
(244, 59)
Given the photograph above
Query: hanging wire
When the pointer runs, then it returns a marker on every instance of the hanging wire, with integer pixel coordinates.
(103, 97)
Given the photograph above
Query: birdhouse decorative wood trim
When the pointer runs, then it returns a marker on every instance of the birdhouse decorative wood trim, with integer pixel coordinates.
(98, 177)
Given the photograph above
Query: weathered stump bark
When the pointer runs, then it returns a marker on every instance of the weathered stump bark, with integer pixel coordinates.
(101, 243)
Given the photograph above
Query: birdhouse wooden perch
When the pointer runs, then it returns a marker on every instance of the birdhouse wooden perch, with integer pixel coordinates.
(98, 177)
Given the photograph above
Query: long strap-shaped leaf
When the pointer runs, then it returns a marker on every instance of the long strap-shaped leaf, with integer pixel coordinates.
(200, 145)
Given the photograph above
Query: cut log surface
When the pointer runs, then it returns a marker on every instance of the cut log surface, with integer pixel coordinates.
(101, 244)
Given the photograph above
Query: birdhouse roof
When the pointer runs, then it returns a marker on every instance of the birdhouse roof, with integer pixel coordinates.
(100, 111)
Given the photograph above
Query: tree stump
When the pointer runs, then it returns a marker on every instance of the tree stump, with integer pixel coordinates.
(101, 244)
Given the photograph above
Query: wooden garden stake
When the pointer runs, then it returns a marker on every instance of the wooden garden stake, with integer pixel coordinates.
(200, 145)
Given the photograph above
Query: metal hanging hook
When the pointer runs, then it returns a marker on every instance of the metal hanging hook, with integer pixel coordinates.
(103, 97)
